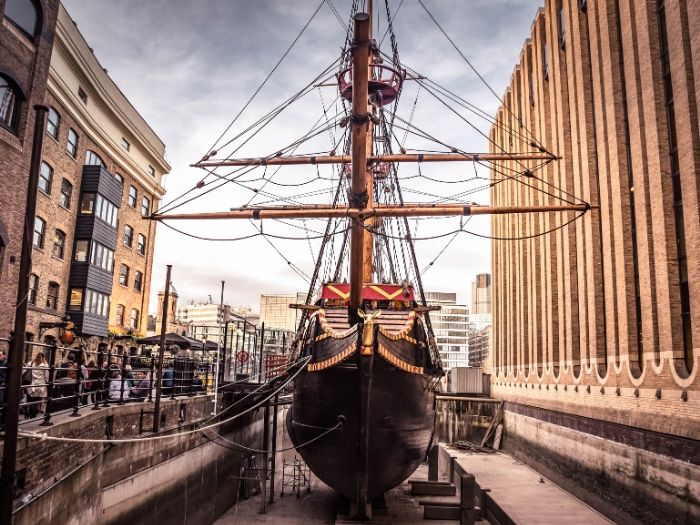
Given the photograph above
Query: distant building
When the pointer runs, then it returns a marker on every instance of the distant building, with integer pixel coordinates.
(479, 341)
(450, 327)
(276, 313)
(481, 294)
(204, 320)
(173, 324)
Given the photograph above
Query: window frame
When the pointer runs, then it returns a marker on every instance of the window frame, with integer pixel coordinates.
(33, 290)
(119, 315)
(126, 145)
(41, 235)
(138, 281)
(130, 237)
(60, 246)
(38, 20)
(72, 145)
(93, 155)
(53, 298)
(134, 319)
(15, 108)
(124, 276)
(141, 244)
(66, 199)
(134, 197)
(53, 128)
(48, 180)
(145, 205)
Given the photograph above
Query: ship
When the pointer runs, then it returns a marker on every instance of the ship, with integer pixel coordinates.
(363, 409)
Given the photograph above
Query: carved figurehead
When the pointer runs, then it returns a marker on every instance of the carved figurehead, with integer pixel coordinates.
(368, 331)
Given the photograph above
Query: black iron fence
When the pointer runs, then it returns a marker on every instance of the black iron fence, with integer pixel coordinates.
(58, 379)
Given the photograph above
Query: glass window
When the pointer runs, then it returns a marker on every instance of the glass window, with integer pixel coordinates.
(145, 206)
(87, 204)
(133, 194)
(106, 211)
(52, 296)
(82, 95)
(125, 144)
(45, 178)
(151, 171)
(53, 122)
(93, 159)
(545, 60)
(9, 104)
(24, 14)
(33, 288)
(39, 232)
(59, 244)
(76, 299)
(128, 236)
(119, 315)
(96, 303)
(124, 275)
(583, 4)
(141, 245)
(66, 194)
(72, 144)
(102, 257)
(562, 27)
(119, 178)
(134, 321)
(81, 250)
(138, 281)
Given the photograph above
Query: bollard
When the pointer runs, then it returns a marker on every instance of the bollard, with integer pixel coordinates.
(50, 389)
(433, 458)
(467, 501)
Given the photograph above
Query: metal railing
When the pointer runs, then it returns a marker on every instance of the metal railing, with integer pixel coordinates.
(65, 380)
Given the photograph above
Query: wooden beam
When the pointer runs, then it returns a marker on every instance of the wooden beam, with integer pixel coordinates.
(398, 157)
(408, 210)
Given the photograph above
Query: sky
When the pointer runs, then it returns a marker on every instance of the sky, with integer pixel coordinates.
(189, 67)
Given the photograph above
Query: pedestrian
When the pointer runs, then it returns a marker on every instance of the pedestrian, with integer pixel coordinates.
(143, 388)
(38, 392)
(118, 389)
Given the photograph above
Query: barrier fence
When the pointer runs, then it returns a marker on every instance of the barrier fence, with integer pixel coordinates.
(58, 379)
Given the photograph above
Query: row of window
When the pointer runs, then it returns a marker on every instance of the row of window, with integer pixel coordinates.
(94, 203)
(124, 277)
(51, 293)
(129, 240)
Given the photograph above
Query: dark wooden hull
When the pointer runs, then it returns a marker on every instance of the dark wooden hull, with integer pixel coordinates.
(400, 422)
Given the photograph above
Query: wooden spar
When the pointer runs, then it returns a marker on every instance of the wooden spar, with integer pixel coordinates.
(397, 157)
(360, 131)
(408, 210)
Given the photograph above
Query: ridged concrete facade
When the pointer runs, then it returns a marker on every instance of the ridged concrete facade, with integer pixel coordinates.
(601, 317)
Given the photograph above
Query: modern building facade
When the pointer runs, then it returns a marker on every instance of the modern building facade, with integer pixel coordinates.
(597, 324)
(276, 313)
(26, 40)
(451, 328)
(479, 346)
(481, 294)
(101, 173)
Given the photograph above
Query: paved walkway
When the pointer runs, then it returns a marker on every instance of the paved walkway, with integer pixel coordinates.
(522, 493)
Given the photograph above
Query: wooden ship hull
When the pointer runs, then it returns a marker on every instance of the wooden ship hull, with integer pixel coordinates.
(376, 378)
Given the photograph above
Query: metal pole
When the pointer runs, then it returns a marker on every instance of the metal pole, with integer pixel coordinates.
(16, 354)
(218, 346)
(274, 450)
(260, 357)
(161, 350)
(224, 351)
(266, 455)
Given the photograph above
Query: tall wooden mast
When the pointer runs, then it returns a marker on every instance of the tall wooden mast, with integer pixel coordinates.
(361, 178)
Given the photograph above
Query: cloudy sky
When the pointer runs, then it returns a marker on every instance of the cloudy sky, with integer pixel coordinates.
(189, 67)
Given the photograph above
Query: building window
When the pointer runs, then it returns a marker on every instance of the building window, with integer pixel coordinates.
(96, 303)
(561, 21)
(101, 207)
(119, 178)
(66, 194)
(52, 296)
(119, 315)
(138, 280)
(72, 144)
(134, 320)
(59, 244)
(124, 275)
(133, 195)
(82, 95)
(128, 236)
(545, 61)
(101, 257)
(45, 178)
(125, 144)
(76, 299)
(33, 288)
(151, 171)
(145, 206)
(53, 122)
(24, 14)
(532, 88)
(93, 159)
(583, 4)
(81, 250)
(141, 245)
(9, 103)
(39, 232)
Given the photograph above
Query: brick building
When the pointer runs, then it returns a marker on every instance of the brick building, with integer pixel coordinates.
(101, 171)
(26, 39)
(596, 339)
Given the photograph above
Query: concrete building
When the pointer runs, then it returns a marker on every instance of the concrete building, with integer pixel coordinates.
(481, 294)
(101, 172)
(451, 328)
(479, 346)
(204, 320)
(26, 39)
(597, 324)
(275, 311)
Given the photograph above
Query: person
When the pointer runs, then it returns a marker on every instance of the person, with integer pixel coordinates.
(89, 373)
(37, 391)
(143, 388)
(118, 389)
(167, 386)
(197, 385)
(65, 376)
